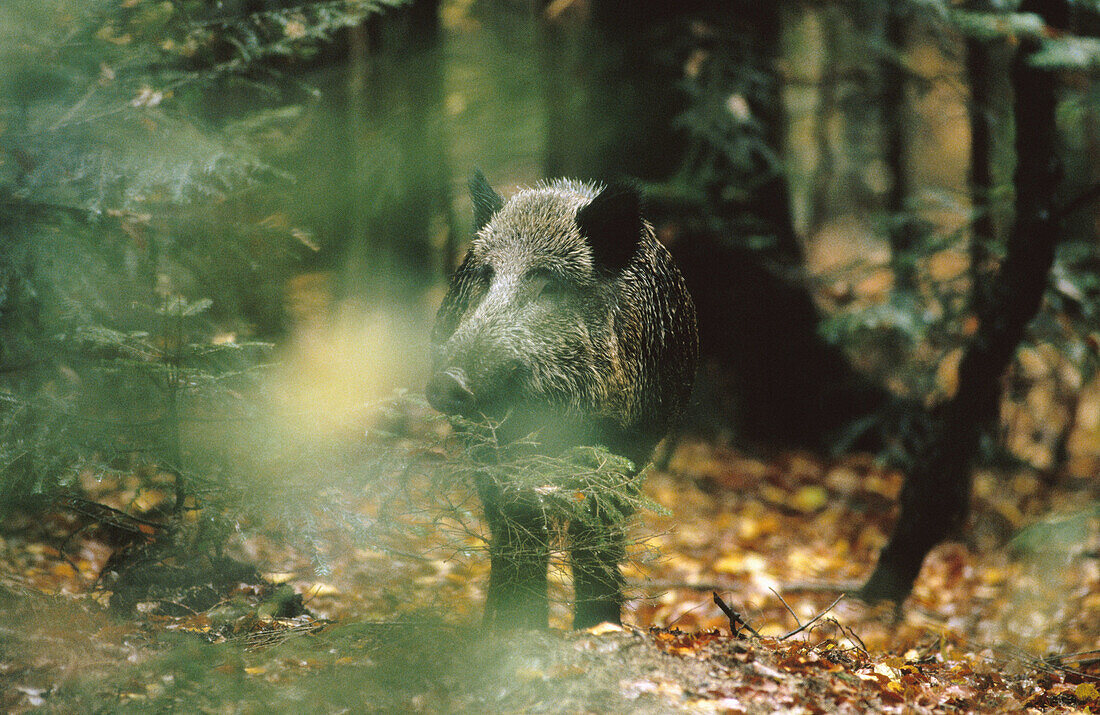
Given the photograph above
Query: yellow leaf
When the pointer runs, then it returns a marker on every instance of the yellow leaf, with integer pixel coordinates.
(809, 498)
(1087, 692)
(773, 494)
(947, 374)
(740, 563)
(1031, 362)
(945, 265)
(63, 569)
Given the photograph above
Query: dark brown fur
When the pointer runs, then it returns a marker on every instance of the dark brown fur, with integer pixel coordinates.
(568, 318)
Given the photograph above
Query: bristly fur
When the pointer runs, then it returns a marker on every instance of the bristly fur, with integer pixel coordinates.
(570, 317)
(622, 350)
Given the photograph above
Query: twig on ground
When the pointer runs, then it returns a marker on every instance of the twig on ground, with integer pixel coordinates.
(1049, 664)
(852, 634)
(786, 605)
(734, 618)
(813, 620)
(103, 514)
(1083, 657)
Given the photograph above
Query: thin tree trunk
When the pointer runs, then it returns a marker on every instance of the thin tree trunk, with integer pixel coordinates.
(902, 233)
(978, 68)
(934, 499)
(824, 172)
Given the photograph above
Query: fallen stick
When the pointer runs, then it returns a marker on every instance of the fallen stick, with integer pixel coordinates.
(734, 617)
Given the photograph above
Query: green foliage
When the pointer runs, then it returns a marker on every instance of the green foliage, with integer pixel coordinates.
(143, 240)
(584, 485)
(1068, 53)
(107, 99)
(729, 119)
(1058, 50)
(1001, 26)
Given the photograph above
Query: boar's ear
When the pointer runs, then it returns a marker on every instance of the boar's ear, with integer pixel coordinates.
(486, 201)
(612, 223)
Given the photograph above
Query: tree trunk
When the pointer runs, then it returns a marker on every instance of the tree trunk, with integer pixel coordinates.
(934, 500)
(903, 234)
(981, 160)
(990, 93)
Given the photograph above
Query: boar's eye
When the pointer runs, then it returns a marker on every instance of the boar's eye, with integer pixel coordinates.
(549, 285)
(481, 275)
(475, 280)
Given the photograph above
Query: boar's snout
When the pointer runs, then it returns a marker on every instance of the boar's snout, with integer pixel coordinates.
(450, 393)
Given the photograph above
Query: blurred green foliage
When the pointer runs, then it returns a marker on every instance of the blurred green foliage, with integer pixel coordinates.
(141, 239)
(152, 160)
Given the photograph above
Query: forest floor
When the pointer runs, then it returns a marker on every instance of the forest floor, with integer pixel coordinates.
(1006, 621)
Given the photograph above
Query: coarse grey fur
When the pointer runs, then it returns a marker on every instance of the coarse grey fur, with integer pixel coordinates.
(566, 318)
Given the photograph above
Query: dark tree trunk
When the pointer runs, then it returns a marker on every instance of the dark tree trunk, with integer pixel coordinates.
(903, 234)
(978, 71)
(773, 375)
(935, 498)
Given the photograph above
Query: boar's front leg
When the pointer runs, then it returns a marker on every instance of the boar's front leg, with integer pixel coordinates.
(597, 548)
(519, 554)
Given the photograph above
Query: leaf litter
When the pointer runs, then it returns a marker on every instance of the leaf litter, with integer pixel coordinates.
(742, 602)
